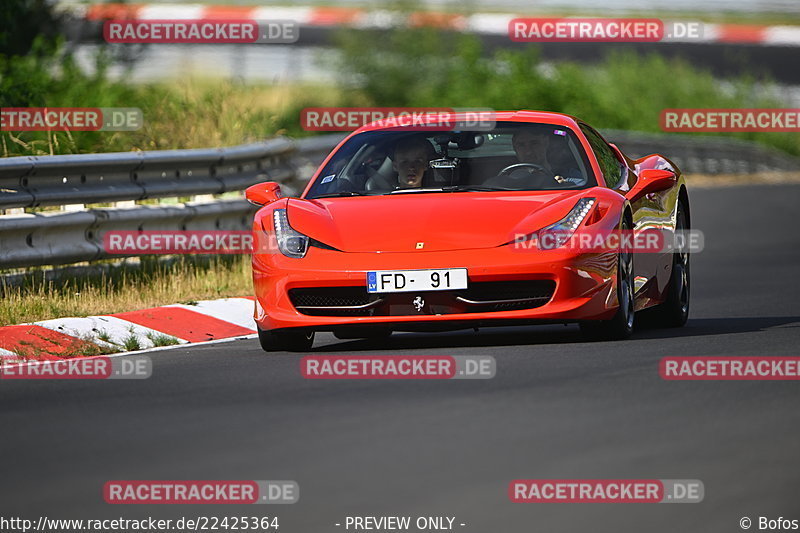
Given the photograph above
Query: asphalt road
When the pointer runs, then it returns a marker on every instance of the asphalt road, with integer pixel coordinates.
(557, 408)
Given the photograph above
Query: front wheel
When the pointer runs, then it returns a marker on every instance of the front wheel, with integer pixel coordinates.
(286, 340)
(621, 326)
(674, 312)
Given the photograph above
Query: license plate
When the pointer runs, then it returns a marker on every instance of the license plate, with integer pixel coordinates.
(416, 280)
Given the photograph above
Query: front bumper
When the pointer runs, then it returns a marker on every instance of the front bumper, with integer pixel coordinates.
(584, 287)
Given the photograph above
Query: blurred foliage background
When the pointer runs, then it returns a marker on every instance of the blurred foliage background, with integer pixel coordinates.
(408, 66)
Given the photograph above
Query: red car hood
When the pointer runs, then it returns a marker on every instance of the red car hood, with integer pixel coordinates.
(442, 221)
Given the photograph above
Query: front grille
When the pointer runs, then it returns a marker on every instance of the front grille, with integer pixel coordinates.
(485, 296)
(488, 291)
(334, 301)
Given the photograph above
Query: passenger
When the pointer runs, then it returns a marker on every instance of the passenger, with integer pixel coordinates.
(411, 160)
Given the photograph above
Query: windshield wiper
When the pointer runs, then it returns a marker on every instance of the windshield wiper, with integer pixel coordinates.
(472, 188)
(339, 194)
(415, 190)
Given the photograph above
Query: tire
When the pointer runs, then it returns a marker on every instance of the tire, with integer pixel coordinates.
(287, 340)
(674, 312)
(620, 327)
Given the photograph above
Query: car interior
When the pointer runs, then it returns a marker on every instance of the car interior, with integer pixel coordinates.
(468, 158)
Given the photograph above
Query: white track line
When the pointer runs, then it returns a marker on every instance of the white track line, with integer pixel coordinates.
(90, 328)
(237, 311)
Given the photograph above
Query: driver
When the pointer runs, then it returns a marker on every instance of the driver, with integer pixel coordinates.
(531, 147)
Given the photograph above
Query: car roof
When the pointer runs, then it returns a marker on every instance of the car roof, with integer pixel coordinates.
(546, 117)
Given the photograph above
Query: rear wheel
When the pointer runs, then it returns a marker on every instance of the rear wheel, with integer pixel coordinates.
(621, 326)
(287, 340)
(674, 312)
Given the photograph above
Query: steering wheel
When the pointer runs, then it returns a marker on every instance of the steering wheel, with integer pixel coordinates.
(532, 167)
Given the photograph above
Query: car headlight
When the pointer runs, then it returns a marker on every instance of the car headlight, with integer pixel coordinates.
(291, 242)
(557, 235)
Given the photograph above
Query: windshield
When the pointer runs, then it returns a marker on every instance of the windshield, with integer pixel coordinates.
(513, 156)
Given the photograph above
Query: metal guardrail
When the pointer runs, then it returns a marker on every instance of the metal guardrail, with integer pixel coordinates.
(59, 238)
(65, 238)
(95, 178)
(695, 154)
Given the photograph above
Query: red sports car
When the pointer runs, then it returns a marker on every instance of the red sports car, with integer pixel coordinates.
(429, 228)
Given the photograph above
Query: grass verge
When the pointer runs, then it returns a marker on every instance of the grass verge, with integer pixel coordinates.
(181, 115)
(733, 180)
(124, 288)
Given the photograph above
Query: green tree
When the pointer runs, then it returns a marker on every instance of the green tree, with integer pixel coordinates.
(29, 42)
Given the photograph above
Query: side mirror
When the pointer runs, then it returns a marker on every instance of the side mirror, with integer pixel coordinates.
(263, 193)
(651, 180)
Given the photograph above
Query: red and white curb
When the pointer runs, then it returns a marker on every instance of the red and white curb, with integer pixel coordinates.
(487, 23)
(208, 320)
